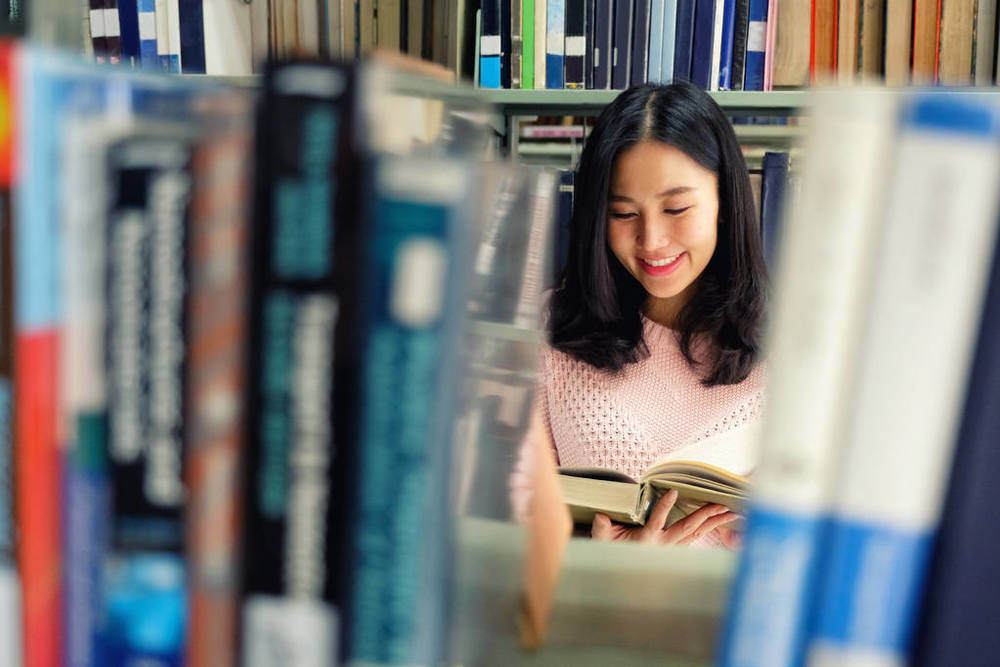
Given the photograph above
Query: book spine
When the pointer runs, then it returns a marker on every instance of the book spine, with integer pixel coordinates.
(516, 44)
(775, 168)
(622, 45)
(602, 45)
(528, 56)
(146, 10)
(401, 549)
(564, 216)
(191, 29)
(290, 557)
(957, 622)
(726, 51)
(128, 18)
(741, 24)
(640, 43)
(541, 42)
(713, 73)
(756, 43)
(946, 168)
(576, 44)
(229, 52)
(770, 43)
(146, 291)
(702, 44)
(174, 35)
(489, 45)
(217, 324)
(162, 36)
(98, 34)
(112, 28)
(588, 48)
(655, 41)
(506, 44)
(684, 36)
(669, 48)
(555, 37)
(819, 298)
(537, 262)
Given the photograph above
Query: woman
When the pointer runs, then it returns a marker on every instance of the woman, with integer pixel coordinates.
(655, 330)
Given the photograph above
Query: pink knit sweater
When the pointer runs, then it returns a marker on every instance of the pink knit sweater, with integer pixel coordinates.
(628, 420)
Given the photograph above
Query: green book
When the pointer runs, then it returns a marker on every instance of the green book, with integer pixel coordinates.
(528, 44)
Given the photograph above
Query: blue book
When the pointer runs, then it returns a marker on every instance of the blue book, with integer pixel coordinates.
(958, 622)
(621, 55)
(740, 25)
(640, 42)
(128, 19)
(683, 39)
(555, 35)
(656, 35)
(146, 10)
(772, 200)
(489, 46)
(753, 78)
(668, 47)
(726, 52)
(602, 44)
(588, 54)
(702, 44)
(192, 36)
(412, 309)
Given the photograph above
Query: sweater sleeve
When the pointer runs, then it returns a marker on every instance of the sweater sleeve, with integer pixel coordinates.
(521, 479)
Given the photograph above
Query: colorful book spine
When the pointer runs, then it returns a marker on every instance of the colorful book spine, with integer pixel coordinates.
(162, 35)
(147, 349)
(147, 33)
(824, 273)
(489, 45)
(413, 281)
(726, 50)
(555, 37)
(904, 413)
(290, 554)
(576, 44)
(217, 323)
(753, 78)
(528, 55)
(770, 43)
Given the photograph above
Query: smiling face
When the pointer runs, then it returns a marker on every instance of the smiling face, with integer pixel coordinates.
(663, 210)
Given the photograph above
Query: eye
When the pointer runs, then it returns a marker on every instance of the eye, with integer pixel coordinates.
(622, 216)
(676, 211)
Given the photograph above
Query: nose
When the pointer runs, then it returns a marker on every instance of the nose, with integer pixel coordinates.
(652, 232)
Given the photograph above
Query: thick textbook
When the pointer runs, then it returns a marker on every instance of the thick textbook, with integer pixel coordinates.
(709, 471)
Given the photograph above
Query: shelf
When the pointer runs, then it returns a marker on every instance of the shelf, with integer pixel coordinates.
(591, 102)
(506, 332)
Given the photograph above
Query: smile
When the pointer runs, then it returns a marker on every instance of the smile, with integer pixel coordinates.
(661, 267)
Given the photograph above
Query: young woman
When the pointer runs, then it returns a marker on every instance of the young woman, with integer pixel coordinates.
(655, 329)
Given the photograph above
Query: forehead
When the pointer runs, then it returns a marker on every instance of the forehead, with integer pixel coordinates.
(653, 166)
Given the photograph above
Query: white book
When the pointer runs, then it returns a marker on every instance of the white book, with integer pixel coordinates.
(541, 36)
(982, 59)
(162, 34)
(827, 257)
(923, 317)
(10, 617)
(720, 10)
(174, 35)
(669, 30)
(228, 43)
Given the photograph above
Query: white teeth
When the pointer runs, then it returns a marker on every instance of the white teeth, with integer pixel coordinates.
(662, 262)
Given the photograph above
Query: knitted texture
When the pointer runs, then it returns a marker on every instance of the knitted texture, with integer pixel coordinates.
(628, 420)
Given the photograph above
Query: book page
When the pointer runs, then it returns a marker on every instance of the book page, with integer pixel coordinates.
(734, 451)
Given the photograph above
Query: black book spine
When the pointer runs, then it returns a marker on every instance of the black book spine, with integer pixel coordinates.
(702, 44)
(575, 44)
(564, 216)
(683, 40)
(506, 45)
(98, 33)
(640, 42)
(772, 196)
(740, 27)
(622, 46)
(602, 44)
(291, 550)
(588, 54)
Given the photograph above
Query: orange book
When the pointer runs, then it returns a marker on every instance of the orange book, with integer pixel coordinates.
(823, 49)
(926, 22)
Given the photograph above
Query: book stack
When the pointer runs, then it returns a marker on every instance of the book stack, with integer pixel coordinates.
(882, 362)
(239, 357)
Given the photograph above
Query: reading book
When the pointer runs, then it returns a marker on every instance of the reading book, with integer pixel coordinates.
(710, 471)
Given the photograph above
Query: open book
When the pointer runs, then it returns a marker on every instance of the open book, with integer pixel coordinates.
(710, 471)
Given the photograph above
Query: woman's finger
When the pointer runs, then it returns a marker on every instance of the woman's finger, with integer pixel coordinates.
(686, 526)
(601, 528)
(709, 525)
(658, 517)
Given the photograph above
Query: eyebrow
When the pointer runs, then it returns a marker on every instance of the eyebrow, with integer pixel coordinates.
(679, 190)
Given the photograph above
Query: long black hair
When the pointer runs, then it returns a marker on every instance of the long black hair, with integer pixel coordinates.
(596, 311)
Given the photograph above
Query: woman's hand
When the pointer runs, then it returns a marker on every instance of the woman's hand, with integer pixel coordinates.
(684, 531)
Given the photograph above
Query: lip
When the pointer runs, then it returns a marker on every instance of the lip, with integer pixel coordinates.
(661, 270)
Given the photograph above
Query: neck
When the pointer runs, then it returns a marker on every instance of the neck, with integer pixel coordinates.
(664, 310)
